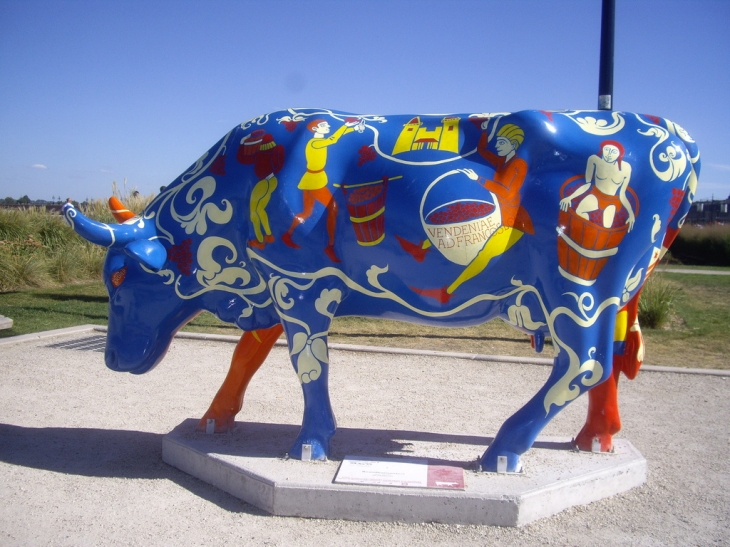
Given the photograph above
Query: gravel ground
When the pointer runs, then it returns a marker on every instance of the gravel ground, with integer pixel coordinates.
(80, 449)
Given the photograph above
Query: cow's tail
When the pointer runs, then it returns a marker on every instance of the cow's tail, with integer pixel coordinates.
(684, 196)
(628, 341)
(628, 345)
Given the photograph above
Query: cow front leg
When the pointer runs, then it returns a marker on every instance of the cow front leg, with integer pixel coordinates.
(249, 355)
(306, 324)
(311, 363)
(581, 363)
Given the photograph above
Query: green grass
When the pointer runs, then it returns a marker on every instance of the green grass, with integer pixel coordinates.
(695, 336)
(37, 310)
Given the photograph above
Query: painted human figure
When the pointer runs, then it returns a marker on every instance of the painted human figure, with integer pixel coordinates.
(506, 184)
(314, 181)
(509, 176)
(607, 178)
(267, 157)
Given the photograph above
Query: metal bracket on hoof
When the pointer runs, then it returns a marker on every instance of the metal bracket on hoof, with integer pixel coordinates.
(596, 445)
(502, 467)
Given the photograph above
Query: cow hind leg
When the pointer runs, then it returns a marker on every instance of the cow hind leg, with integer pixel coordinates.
(603, 420)
(249, 355)
(584, 360)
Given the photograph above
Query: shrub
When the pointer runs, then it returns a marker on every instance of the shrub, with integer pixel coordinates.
(703, 245)
(64, 267)
(91, 260)
(656, 302)
(12, 224)
(53, 232)
(17, 271)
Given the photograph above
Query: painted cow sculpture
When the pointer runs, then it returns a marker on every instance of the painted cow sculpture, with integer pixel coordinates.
(550, 221)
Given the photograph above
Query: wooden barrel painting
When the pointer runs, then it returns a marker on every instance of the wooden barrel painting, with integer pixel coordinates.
(248, 148)
(366, 205)
(585, 245)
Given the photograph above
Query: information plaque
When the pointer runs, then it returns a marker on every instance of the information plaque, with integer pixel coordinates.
(404, 472)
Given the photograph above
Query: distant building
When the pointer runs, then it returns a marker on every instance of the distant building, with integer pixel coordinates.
(709, 211)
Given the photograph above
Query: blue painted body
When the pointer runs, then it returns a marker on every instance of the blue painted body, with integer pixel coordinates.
(550, 221)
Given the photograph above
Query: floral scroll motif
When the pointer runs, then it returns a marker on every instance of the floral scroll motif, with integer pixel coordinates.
(597, 126)
(671, 154)
(211, 273)
(197, 220)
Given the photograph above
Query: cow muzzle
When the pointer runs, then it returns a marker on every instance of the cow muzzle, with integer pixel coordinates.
(117, 362)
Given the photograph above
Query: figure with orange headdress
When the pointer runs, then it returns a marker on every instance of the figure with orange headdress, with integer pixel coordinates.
(505, 185)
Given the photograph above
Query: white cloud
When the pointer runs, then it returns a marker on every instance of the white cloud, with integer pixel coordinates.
(38, 166)
(720, 166)
(106, 171)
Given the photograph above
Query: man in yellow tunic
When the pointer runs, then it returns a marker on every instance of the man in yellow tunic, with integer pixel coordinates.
(314, 181)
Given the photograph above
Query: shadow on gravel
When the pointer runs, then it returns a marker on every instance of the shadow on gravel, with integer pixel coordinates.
(270, 440)
(113, 453)
(104, 453)
(430, 336)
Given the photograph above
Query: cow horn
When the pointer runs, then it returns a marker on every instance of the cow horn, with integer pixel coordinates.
(106, 235)
(119, 211)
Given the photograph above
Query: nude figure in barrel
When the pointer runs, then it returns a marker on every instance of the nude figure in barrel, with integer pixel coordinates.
(607, 178)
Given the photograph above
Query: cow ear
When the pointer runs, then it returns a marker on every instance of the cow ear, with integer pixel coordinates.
(151, 253)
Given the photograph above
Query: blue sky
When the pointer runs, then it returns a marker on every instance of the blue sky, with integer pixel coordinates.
(97, 91)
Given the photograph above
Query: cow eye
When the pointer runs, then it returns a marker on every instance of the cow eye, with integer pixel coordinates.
(118, 277)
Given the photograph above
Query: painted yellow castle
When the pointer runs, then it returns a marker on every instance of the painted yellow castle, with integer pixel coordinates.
(415, 136)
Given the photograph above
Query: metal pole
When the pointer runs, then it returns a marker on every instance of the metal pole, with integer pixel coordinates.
(605, 77)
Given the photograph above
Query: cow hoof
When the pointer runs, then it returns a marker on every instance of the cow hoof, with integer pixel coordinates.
(309, 449)
(594, 442)
(222, 425)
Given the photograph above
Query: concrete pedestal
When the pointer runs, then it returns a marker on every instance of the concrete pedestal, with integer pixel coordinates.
(251, 464)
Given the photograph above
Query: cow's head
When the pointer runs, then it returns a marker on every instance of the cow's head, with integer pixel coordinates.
(144, 312)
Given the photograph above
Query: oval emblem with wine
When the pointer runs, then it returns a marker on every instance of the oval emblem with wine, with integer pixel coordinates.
(459, 228)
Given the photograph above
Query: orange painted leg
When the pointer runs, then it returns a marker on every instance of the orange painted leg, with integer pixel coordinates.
(603, 420)
(249, 355)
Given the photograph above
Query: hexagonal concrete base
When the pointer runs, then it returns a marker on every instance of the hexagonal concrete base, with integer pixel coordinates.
(251, 464)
